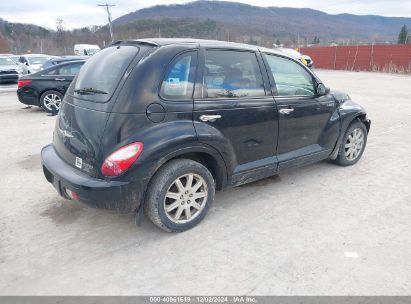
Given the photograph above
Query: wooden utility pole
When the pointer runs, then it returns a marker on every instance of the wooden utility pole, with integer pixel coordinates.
(107, 6)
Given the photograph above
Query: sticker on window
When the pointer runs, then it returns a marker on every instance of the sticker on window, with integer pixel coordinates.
(174, 83)
(178, 81)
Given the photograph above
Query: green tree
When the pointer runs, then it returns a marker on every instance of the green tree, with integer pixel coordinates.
(403, 36)
(316, 40)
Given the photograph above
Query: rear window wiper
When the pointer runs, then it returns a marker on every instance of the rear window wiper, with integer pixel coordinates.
(89, 91)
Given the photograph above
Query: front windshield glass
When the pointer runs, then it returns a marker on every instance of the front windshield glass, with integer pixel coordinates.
(91, 52)
(15, 58)
(6, 61)
(38, 60)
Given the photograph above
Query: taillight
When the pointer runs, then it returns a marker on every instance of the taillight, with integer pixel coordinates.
(120, 160)
(23, 82)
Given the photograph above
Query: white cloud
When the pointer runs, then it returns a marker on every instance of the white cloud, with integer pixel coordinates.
(79, 13)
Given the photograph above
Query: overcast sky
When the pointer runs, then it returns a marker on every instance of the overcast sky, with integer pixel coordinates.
(80, 13)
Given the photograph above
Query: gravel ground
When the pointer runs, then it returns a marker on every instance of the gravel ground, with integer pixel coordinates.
(316, 230)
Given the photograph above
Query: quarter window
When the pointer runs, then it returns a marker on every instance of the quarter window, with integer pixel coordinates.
(290, 78)
(232, 74)
(178, 82)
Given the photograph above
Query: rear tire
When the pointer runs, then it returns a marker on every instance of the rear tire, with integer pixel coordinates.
(353, 144)
(179, 195)
(50, 101)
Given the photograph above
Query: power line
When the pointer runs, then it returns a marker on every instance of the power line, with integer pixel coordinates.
(107, 6)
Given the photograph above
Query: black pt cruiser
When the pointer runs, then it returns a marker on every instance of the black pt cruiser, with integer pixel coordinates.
(158, 125)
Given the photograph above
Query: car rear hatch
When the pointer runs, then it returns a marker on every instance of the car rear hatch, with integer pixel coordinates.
(79, 132)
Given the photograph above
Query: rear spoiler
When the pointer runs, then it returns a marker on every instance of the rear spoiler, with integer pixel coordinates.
(139, 41)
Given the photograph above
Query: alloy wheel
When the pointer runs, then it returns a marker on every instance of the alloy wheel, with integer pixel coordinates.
(186, 198)
(52, 100)
(354, 144)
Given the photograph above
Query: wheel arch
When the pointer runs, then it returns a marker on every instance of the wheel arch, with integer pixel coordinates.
(360, 116)
(204, 155)
(363, 118)
(41, 93)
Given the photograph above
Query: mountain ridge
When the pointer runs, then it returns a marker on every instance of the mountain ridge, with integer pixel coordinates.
(278, 21)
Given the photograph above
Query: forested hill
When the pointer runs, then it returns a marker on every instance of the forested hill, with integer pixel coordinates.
(277, 21)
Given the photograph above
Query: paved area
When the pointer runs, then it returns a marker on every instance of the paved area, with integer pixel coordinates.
(317, 230)
(9, 87)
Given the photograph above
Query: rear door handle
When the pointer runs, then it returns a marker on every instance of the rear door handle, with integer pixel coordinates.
(210, 118)
(60, 79)
(286, 111)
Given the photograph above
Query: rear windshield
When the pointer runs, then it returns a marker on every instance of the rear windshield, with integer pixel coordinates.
(38, 60)
(100, 75)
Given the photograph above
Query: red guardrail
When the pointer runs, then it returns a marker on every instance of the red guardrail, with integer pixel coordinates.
(386, 58)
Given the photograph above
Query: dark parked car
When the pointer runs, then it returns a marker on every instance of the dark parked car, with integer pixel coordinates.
(9, 70)
(158, 125)
(47, 88)
(63, 59)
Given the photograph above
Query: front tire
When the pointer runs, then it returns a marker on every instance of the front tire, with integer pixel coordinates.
(353, 144)
(50, 101)
(179, 195)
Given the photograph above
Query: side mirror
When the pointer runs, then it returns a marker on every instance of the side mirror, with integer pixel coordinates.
(322, 89)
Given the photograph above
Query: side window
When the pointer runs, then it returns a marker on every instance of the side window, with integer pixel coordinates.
(70, 69)
(290, 78)
(178, 82)
(232, 74)
(52, 72)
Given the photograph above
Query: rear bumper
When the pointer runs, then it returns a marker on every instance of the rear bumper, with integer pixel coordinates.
(122, 196)
(27, 97)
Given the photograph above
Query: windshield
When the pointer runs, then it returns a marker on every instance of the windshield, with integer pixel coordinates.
(6, 61)
(38, 60)
(91, 52)
(103, 72)
(14, 58)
